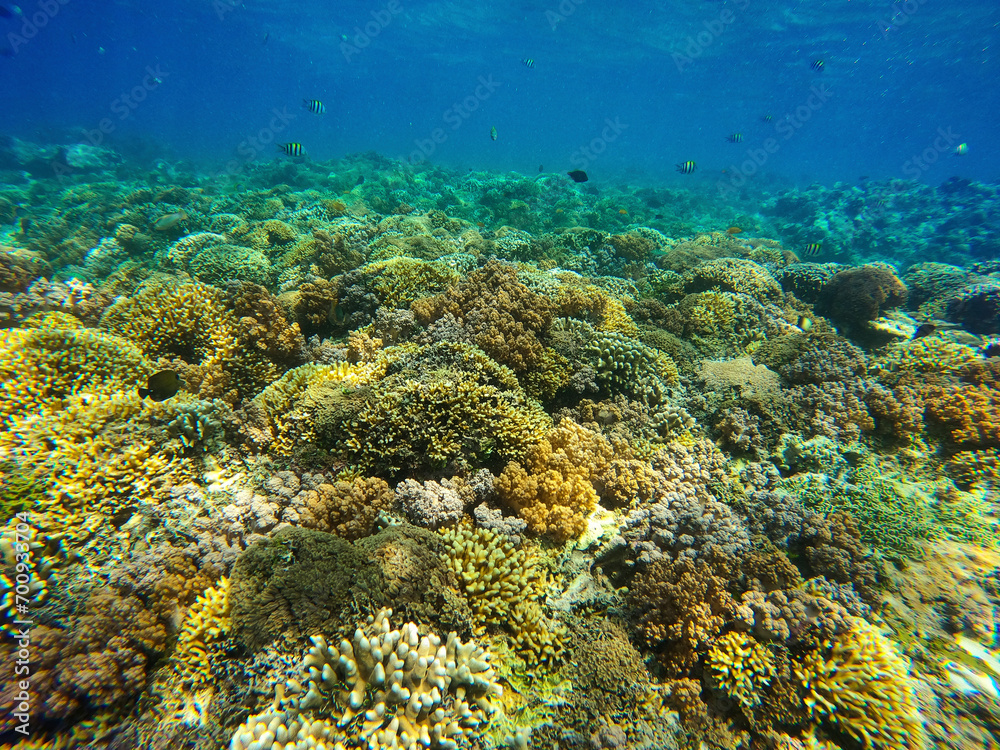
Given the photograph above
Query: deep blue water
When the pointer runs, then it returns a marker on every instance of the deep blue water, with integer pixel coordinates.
(675, 76)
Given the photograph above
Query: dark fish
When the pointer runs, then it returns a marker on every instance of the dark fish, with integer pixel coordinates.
(161, 385)
(924, 330)
(493, 134)
(812, 249)
(291, 149)
(541, 168)
(735, 138)
(315, 106)
(767, 118)
(818, 65)
(658, 216)
(578, 175)
(528, 62)
(361, 180)
(168, 221)
(990, 350)
(687, 167)
(25, 224)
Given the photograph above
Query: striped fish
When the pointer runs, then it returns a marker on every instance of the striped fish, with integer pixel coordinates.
(528, 62)
(315, 106)
(292, 149)
(812, 249)
(687, 167)
(735, 138)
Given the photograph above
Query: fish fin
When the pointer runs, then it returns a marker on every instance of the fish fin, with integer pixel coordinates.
(144, 392)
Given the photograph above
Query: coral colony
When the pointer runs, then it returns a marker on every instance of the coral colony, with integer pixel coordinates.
(348, 456)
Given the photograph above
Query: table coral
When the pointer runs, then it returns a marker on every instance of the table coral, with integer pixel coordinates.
(859, 683)
(386, 688)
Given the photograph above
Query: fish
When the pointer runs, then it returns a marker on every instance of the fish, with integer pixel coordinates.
(961, 149)
(360, 180)
(924, 330)
(735, 138)
(315, 106)
(733, 230)
(168, 221)
(991, 350)
(161, 385)
(528, 62)
(541, 168)
(805, 323)
(812, 249)
(24, 224)
(559, 211)
(291, 149)
(687, 167)
(493, 134)
(767, 118)
(818, 65)
(578, 175)
(480, 224)
(623, 212)
(266, 37)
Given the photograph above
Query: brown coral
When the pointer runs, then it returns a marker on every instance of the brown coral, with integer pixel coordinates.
(856, 296)
(554, 491)
(347, 509)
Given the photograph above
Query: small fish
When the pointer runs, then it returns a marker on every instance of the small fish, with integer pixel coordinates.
(24, 224)
(161, 385)
(266, 37)
(623, 212)
(528, 62)
(168, 221)
(812, 249)
(493, 134)
(687, 167)
(991, 350)
(733, 230)
(658, 216)
(767, 118)
(291, 149)
(578, 175)
(735, 138)
(480, 224)
(559, 211)
(541, 168)
(924, 330)
(961, 149)
(360, 181)
(805, 323)
(818, 65)
(315, 106)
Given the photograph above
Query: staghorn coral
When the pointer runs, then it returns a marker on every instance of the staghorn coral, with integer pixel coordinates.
(859, 683)
(741, 666)
(386, 688)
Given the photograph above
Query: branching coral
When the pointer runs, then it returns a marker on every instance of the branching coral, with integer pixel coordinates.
(503, 584)
(554, 490)
(741, 666)
(859, 684)
(385, 688)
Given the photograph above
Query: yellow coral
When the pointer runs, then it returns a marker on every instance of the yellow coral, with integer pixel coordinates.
(553, 491)
(929, 354)
(713, 313)
(741, 666)
(206, 625)
(859, 683)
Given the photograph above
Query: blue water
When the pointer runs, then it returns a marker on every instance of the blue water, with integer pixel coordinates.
(674, 78)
